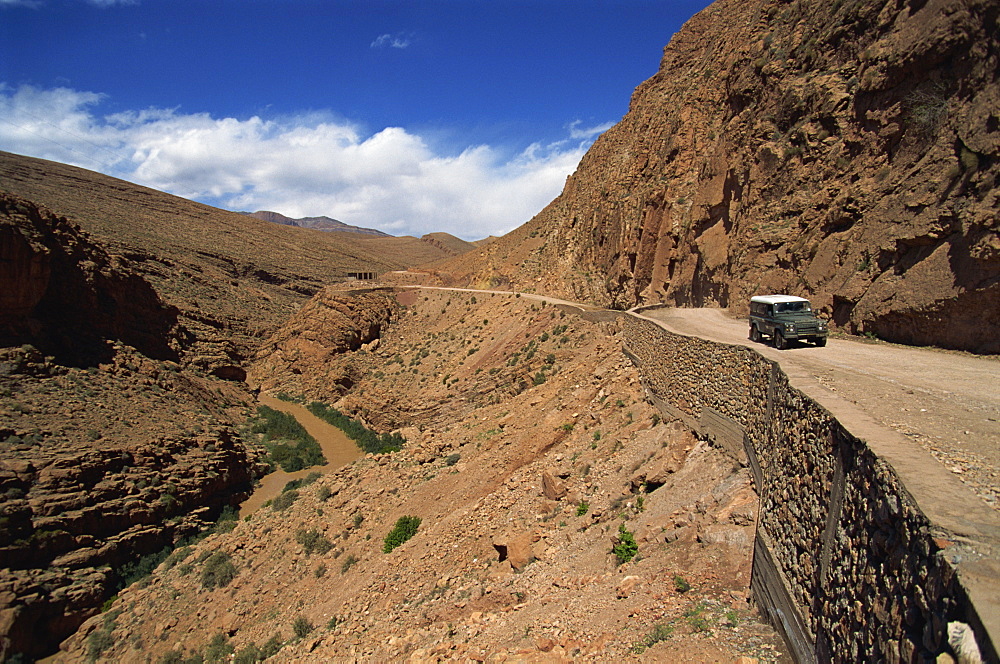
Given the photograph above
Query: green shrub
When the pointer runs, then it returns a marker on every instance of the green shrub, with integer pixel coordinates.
(680, 584)
(97, 642)
(219, 649)
(349, 562)
(405, 528)
(301, 626)
(176, 557)
(301, 482)
(627, 547)
(249, 655)
(218, 571)
(129, 573)
(659, 633)
(696, 618)
(177, 657)
(582, 508)
(284, 500)
(312, 541)
(452, 459)
(270, 647)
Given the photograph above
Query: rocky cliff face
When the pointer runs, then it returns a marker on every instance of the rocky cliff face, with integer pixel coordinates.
(98, 467)
(68, 296)
(303, 355)
(846, 151)
(109, 450)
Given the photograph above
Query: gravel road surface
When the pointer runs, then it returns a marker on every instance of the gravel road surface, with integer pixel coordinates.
(947, 402)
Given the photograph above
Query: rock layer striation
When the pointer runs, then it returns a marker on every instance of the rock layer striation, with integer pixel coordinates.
(843, 151)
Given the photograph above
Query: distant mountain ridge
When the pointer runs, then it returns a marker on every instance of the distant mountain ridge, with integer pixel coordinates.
(316, 223)
(448, 243)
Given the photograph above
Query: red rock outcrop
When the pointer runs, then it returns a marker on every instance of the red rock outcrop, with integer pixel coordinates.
(102, 465)
(67, 296)
(99, 467)
(299, 356)
(845, 151)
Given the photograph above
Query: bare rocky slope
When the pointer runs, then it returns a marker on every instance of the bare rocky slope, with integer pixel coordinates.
(847, 151)
(127, 320)
(317, 223)
(530, 444)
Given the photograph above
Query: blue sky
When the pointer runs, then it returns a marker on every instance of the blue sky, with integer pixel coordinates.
(460, 116)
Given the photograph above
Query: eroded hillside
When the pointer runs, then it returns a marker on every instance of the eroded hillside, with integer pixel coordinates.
(230, 279)
(530, 443)
(847, 151)
(127, 320)
(109, 449)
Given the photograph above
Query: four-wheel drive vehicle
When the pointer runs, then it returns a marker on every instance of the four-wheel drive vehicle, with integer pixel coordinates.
(784, 318)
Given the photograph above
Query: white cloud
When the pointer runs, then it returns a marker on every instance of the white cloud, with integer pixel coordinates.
(577, 133)
(391, 41)
(306, 165)
(31, 4)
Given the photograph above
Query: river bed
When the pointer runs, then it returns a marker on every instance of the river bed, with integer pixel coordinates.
(338, 449)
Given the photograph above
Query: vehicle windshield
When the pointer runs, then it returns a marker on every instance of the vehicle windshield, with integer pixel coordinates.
(783, 307)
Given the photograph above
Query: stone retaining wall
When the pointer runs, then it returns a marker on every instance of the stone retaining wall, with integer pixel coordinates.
(845, 564)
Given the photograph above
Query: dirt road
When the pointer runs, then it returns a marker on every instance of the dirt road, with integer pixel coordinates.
(947, 402)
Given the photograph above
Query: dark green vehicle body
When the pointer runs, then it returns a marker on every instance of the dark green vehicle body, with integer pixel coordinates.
(783, 319)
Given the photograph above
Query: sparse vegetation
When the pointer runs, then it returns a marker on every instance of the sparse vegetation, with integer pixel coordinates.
(367, 440)
(288, 444)
(218, 649)
(696, 618)
(405, 528)
(218, 571)
(659, 633)
(927, 108)
(302, 626)
(100, 639)
(312, 541)
(348, 563)
(626, 548)
(285, 500)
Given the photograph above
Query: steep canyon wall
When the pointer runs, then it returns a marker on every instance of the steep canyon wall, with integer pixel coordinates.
(846, 151)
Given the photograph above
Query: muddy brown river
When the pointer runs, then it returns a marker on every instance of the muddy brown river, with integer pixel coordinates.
(338, 449)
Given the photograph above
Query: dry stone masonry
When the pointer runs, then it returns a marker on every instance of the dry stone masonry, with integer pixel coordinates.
(846, 564)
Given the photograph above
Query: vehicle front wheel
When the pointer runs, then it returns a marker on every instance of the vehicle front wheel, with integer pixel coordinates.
(821, 342)
(779, 341)
(754, 334)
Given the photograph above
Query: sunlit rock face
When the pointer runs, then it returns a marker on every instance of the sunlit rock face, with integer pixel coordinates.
(846, 152)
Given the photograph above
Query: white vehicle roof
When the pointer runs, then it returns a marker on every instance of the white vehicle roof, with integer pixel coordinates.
(775, 299)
